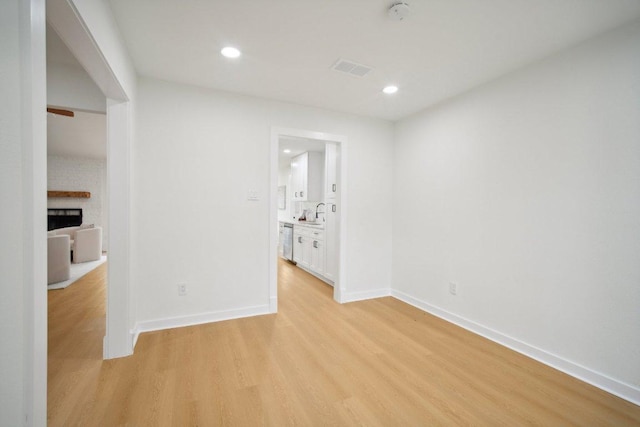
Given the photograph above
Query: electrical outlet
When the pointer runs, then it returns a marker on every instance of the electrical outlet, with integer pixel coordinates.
(182, 289)
(453, 288)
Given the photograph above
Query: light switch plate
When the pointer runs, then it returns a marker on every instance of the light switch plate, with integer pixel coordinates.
(182, 289)
(253, 195)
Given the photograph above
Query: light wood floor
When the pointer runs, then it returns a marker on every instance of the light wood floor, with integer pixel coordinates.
(376, 362)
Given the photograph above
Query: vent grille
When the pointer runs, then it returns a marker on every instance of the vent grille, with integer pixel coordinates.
(352, 68)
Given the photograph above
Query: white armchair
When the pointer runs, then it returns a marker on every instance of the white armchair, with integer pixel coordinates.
(87, 244)
(58, 258)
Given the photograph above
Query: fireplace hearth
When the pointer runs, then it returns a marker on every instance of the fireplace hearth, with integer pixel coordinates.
(60, 218)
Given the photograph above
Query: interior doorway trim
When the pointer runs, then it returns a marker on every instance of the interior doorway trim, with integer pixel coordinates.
(340, 285)
(33, 146)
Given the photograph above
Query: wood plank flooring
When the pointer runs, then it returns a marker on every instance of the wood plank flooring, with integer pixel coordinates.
(377, 363)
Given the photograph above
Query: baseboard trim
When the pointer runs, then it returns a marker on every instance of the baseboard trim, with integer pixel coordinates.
(604, 382)
(135, 333)
(197, 319)
(365, 295)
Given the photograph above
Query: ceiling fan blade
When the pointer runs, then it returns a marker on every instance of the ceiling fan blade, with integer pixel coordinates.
(67, 113)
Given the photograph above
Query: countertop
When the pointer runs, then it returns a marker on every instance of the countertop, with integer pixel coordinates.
(316, 225)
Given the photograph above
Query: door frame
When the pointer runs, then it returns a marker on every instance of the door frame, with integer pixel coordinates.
(33, 143)
(340, 284)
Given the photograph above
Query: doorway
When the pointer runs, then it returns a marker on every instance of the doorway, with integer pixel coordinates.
(307, 177)
(117, 84)
(77, 205)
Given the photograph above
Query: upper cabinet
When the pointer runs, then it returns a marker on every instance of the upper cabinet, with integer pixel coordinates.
(307, 177)
(331, 171)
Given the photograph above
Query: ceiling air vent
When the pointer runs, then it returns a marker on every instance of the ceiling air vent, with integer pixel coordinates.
(352, 68)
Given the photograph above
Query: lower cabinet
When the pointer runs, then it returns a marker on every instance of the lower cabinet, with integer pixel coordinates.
(301, 250)
(309, 249)
(317, 257)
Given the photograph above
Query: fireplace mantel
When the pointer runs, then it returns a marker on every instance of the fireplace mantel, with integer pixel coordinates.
(74, 194)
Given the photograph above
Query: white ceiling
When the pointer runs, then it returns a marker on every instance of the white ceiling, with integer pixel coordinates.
(445, 47)
(84, 135)
(296, 146)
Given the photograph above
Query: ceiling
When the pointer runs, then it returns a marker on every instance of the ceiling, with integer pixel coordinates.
(444, 48)
(296, 146)
(84, 135)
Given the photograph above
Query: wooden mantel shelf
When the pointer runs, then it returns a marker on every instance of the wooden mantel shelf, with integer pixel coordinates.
(75, 194)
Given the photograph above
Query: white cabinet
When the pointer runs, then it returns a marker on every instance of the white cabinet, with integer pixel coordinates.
(331, 171)
(298, 171)
(307, 177)
(317, 256)
(316, 251)
(331, 241)
(297, 247)
(331, 232)
(301, 247)
(309, 249)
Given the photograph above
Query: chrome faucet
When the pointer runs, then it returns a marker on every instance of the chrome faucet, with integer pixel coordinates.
(317, 206)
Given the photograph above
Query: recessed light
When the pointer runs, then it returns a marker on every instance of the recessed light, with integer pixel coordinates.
(390, 89)
(230, 52)
(286, 150)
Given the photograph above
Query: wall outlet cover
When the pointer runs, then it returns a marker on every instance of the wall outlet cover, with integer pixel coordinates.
(453, 288)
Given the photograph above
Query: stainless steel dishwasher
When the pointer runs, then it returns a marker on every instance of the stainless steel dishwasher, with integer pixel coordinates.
(287, 241)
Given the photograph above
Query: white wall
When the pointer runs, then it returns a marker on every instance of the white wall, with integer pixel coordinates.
(22, 223)
(80, 174)
(197, 153)
(525, 192)
(71, 87)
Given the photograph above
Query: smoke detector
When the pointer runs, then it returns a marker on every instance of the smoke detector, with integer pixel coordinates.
(398, 11)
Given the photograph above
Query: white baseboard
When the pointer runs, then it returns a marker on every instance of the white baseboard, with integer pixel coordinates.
(135, 333)
(364, 295)
(608, 384)
(197, 319)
